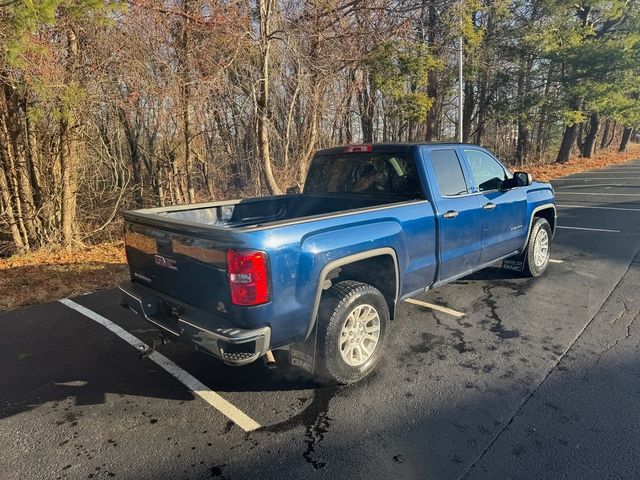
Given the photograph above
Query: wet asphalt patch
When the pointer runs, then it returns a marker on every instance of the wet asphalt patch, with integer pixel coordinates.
(501, 392)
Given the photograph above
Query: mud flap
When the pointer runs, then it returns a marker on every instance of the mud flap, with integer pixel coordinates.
(515, 263)
(303, 354)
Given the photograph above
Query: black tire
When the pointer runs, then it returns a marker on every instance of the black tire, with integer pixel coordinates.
(337, 303)
(530, 267)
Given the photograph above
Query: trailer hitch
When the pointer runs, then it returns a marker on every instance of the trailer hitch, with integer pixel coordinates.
(146, 350)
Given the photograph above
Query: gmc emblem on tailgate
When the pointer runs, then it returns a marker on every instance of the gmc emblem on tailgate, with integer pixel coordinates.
(165, 262)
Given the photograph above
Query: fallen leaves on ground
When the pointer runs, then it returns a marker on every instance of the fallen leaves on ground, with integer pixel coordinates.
(46, 275)
(603, 159)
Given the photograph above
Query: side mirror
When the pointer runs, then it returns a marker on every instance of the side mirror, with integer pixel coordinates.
(293, 190)
(523, 179)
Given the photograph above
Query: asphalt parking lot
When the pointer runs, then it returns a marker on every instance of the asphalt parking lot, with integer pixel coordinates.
(536, 378)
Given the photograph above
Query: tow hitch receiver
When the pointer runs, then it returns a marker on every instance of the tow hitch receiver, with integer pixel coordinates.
(146, 350)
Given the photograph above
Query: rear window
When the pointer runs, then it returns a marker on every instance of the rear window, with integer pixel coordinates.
(364, 173)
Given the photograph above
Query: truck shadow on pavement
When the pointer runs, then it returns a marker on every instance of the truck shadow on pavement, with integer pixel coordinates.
(492, 273)
(51, 354)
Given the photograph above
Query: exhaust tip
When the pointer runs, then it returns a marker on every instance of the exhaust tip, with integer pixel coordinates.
(269, 359)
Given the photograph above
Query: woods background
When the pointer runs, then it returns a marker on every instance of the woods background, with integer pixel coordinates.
(110, 105)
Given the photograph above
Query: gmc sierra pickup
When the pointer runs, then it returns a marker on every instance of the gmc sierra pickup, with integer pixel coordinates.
(320, 273)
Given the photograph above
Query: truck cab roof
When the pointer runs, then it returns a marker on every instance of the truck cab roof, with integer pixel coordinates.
(391, 147)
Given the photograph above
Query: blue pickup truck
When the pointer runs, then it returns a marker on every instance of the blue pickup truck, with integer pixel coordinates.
(320, 273)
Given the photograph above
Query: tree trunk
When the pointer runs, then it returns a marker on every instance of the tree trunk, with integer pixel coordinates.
(541, 139)
(188, 162)
(312, 134)
(469, 104)
(289, 122)
(12, 148)
(68, 168)
(346, 131)
(185, 97)
(10, 202)
(568, 141)
(16, 138)
(134, 156)
(580, 140)
(482, 107)
(522, 146)
(524, 86)
(69, 149)
(613, 134)
(265, 10)
(605, 134)
(367, 109)
(8, 212)
(626, 136)
(433, 115)
(589, 146)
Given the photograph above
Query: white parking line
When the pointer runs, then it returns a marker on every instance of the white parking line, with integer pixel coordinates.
(553, 260)
(599, 194)
(212, 398)
(594, 178)
(607, 172)
(590, 229)
(432, 306)
(600, 208)
(589, 185)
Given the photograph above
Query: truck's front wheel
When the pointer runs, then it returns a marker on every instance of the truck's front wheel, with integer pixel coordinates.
(352, 327)
(538, 248)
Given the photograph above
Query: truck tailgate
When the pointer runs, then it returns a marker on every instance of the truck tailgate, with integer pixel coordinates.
(187, 268)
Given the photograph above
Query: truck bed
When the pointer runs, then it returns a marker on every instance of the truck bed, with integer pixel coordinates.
(266, 210)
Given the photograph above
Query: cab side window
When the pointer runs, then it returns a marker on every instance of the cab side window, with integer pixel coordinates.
(487, 173)
(449, 175)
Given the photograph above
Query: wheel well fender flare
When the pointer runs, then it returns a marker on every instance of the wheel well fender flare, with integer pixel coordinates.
(342, 261)
(546, 206)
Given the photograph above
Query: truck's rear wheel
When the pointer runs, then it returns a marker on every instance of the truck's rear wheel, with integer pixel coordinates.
(538, 248)
(352, 326)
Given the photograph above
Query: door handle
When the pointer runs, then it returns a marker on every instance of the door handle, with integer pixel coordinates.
(489, 206)
(450, 214)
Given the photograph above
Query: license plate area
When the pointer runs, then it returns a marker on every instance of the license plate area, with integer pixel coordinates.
(169, 313)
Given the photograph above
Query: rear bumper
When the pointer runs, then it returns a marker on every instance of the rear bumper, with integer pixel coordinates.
(233, 345)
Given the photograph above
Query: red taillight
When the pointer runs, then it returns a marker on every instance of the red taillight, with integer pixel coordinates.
(248, 277)
(358, 148)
